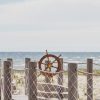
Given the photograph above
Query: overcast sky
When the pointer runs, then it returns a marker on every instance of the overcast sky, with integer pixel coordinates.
(56, 25)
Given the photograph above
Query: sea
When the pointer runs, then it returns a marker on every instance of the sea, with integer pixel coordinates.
(78, 57)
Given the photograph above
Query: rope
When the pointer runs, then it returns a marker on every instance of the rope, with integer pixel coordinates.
(76, 63)
(96, 64)
(52, 84)
(67, 71)
(88, 73)
(80, 63)
(53, 72)
(68, 63)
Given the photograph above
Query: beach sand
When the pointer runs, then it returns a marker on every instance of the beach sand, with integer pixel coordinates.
(19, 82)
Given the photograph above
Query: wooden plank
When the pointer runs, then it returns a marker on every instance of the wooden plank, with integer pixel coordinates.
(46, 88)
(47, 80)
(7, 81)
(90, 79)
(12, 71)
(60, 80)
(60, 75)
(0, 79)
(11, 61)
(32, 85)
(27, 60)
(72, 82)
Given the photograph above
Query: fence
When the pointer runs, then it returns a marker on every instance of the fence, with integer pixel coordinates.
(64, 85)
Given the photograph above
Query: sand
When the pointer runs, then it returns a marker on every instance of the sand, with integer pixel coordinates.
(18, 81)
(20, 97)
(82, 87)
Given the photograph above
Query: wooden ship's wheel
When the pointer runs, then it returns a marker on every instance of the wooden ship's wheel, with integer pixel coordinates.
(49, 64)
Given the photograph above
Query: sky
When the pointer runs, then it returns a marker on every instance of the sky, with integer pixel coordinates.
(56, 25)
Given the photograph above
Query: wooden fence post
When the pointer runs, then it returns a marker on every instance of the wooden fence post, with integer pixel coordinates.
(12, 71)
(27, 60)
(47, 87)
(72, 82)
(47, 78)
(32, 85)
(60, 80)
(10, 60)
(89, 79)
(7, 81)
(60, 77)
(0, 79)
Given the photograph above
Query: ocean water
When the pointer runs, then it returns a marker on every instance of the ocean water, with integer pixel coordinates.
(19, 57)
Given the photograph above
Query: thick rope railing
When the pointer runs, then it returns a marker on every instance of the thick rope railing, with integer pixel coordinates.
(87, 73)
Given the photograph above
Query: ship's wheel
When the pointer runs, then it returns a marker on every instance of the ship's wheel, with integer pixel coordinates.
(49, 64)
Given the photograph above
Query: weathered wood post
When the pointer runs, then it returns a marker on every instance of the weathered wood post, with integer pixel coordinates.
(27, 60)
(0, 79)
(60, 80)
(72, 82)
(60, 77)
(47, 79)
(7, 81)
(90, 79)
(12, 71)
(32, 85)
(47, 87)
(10, 60)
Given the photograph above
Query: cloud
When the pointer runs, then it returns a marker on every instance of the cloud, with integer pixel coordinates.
(51, 40)
(57, 25)
(49, 15)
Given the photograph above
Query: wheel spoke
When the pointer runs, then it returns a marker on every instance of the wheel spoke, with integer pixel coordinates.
(47, 56)
(43, 63)
(54, 67)
(46, 68)
(50, 69)
(56, 59)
